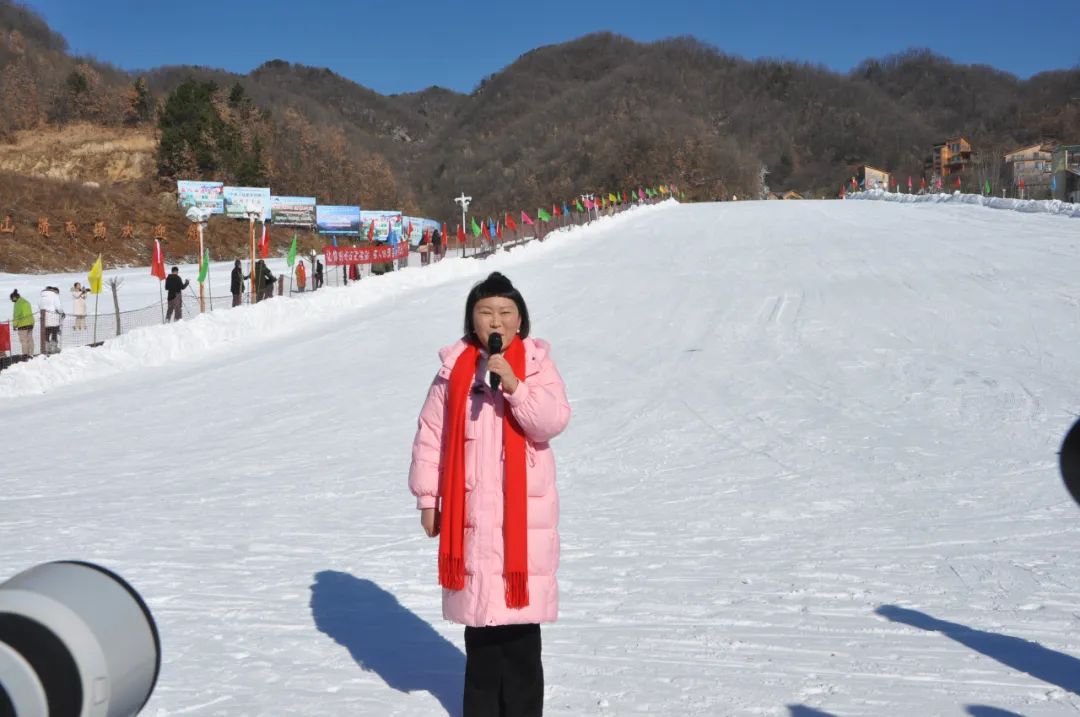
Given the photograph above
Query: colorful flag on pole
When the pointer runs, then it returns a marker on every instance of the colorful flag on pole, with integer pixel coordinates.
(264, 242)
(474, 226)
(565, 209)
(510, 223)
(292, 250)
(498, 230)
(986, 187)
(157, 261)
(909, 183)
(371, 230)
(542, 215)
(460, 234)
(577, 204)
(555, 210)
(611, 198)
(485, 230)
(95, 276)
(525, 218)
(204, 265)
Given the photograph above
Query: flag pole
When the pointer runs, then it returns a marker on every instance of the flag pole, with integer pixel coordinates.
(251, 265)
(202, 301)
(161, 300)
(97, 298)
(209, 285)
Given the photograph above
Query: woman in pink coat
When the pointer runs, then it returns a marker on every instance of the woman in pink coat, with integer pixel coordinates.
(484, 479)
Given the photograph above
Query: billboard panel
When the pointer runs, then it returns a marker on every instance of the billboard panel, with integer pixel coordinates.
(240, 200)
(292, 211)
(205, 195)
(332, 219)
(384, 220)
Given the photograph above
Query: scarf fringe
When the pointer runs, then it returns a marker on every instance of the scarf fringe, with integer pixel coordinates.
(451, 572)
(517, 590)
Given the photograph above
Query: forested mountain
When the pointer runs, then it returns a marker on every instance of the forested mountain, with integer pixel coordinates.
(601, 112)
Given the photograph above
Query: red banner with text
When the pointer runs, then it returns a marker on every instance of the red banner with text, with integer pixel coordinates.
(345, 255)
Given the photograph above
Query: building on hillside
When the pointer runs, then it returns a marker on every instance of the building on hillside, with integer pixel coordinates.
(1032, 166)
(1065, 178)
(953, 156)
(872, 177)
(792, 194)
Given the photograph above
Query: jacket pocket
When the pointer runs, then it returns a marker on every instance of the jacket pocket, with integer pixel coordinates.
(539, 470)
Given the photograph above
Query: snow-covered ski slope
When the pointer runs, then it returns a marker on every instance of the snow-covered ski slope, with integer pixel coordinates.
(811, 470)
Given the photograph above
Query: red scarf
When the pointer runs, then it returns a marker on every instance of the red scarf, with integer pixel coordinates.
(452, 488)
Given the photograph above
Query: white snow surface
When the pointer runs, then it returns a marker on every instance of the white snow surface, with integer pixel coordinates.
(811, 470)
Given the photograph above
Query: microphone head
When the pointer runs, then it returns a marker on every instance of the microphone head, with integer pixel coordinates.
(495, 343)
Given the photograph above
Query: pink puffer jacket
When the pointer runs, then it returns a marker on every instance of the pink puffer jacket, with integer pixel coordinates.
(539, 404)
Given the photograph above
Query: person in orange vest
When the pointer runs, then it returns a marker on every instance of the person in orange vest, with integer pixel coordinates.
(301, 275)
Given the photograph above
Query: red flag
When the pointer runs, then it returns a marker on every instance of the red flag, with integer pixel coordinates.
(264, 243)
(525, 218)
(371, 230)
(157, 261)
(498, 230)
(958, 181)
(1021, 182)
(444, 237)
(484, 231)
(510, 223)
(408, 229)
(922, 182)
(555, 210)
(460, 234)
(909, 183)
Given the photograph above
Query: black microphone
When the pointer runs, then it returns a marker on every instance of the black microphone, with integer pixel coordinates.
(494, 347)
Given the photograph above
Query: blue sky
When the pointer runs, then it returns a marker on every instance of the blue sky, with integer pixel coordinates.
(400, 46)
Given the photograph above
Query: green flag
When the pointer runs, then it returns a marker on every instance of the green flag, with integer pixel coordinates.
(543, 215)
(986, 187)
(474, 227)
(292, 250)
(578, 205)
(204, 267)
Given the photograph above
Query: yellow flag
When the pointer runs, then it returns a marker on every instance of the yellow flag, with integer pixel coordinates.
(611, 197)
(95, 276)
(663, 189)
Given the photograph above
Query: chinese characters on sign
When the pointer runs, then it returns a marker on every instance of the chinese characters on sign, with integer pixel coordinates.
(344, 255)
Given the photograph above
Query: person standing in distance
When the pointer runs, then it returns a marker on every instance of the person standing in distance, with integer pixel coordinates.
(22, 319)
(174, 287)
(484, 479)
(237, 282)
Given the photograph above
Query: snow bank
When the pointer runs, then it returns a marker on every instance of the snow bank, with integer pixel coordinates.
(1030, 206)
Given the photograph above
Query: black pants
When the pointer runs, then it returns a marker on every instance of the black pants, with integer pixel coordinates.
(504, 676)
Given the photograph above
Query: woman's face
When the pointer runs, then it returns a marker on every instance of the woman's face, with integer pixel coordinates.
(495, 315)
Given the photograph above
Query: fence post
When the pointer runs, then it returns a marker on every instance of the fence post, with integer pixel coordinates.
(280, 284)
(42, 332)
